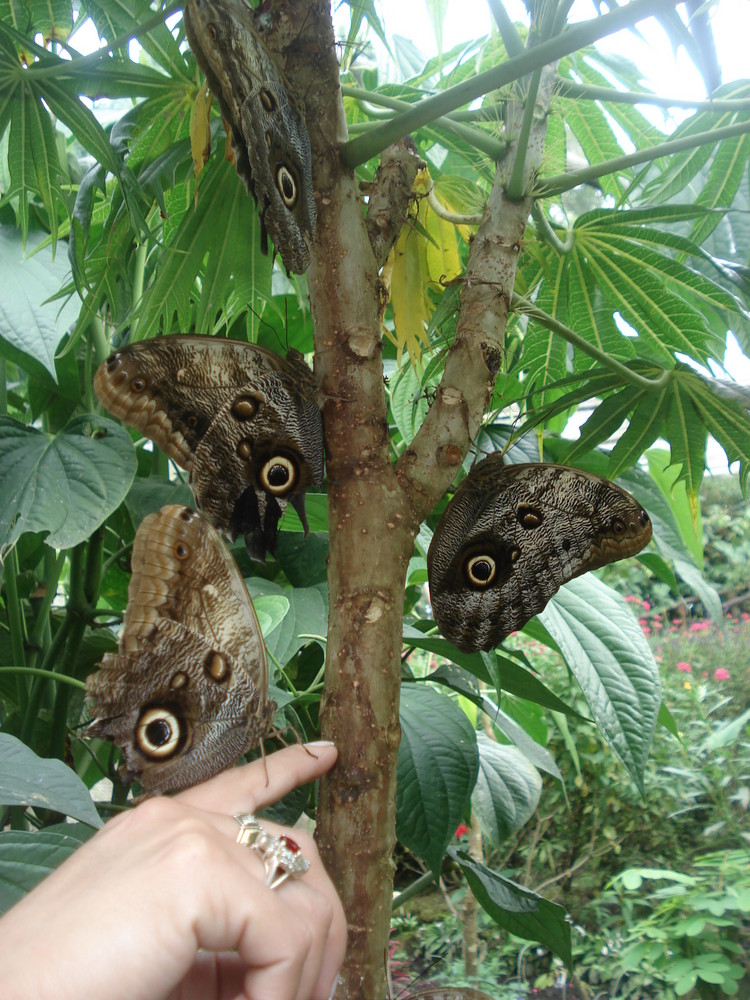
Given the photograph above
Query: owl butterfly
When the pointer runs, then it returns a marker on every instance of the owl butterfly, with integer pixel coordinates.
(268, 133)
(513, 535)
(242, 420)
(186, 694)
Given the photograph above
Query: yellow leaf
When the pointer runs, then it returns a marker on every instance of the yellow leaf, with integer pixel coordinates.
(425, 251)
(200, 132)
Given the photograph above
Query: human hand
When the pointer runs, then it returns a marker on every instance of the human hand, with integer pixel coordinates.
(163, 903)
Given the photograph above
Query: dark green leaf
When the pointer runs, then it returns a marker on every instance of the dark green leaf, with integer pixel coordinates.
(66, 484)
(437, 768)
(518, 910)
(28, 780)
(608, 654)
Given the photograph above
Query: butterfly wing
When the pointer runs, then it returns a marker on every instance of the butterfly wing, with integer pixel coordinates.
(513, 535)
(186, 694)
(242, 420)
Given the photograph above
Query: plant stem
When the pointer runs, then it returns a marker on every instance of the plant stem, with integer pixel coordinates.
(567, 88)
(84, 591)
(548, 233)
(506, 27)
(417, 887)
(486, 144)
(515, 188)
(549, 187)
(364, 147)
(16, 622)
(73, 66)
(53, 565)
(49, 674)
(641, 381)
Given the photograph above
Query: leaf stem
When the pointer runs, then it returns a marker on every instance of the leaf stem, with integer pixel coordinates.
(417, 886)
(584, 33)
(83, 62)
(515, 188)
(523, 305)
(49, 674)
(548, 233)
(582, 91)
(493, 148)
(99, 339)
(549, 187)
(16, 622)
(84, 591)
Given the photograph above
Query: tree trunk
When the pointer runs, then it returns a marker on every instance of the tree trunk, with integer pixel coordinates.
(375, 509)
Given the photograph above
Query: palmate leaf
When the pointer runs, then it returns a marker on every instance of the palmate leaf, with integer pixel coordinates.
(118, 18)
(727, 170)
(33, 162)
(222, 231)
(645, 425)
(680, 169)
(589, 125)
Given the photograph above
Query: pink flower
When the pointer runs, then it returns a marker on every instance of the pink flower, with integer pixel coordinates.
(646, 606)
(721, 674)
(699, 626)
(461, 829)
(684, 667)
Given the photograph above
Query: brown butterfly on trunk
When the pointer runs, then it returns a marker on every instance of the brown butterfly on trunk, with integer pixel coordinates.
(513, 535)
(186, 695)
(243, 421)
(265, 122)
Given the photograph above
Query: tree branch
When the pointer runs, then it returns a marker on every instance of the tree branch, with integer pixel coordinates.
(549, 187)
(364, 147)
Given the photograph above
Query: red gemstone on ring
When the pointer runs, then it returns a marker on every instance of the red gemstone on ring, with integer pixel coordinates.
(290, 845)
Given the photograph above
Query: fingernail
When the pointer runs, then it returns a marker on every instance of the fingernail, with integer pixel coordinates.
(320, 743)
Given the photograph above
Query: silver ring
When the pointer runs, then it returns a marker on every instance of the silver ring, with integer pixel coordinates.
(281, 856)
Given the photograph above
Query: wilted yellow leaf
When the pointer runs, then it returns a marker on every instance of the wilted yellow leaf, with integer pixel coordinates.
(200, 132)
(426, 251)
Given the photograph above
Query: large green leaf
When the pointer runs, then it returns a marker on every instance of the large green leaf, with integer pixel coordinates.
(26, 858)
(437, 768)
(30, 328)
(507, 791)
(28, 780)
(221, 234)
(307, 616)
(517, 909)
(607, 653)
(66, 484)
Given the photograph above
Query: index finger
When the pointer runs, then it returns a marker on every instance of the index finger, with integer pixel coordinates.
(262, 782)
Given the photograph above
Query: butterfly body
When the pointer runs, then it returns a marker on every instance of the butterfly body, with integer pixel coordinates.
(243, 421)
(269, 137)
(186, 694)
(513, 535)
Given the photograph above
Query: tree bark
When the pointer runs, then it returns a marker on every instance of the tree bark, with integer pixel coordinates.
(375, 508)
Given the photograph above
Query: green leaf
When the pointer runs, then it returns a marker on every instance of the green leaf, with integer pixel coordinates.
(270, 610)
(30, 328)
(28, 780)
(507, 791)
(643, 429)
(437, 768)
(607, 653)
(26, 858)
(687, 437)
(66, 484)
(148, 495)
(517, 909)
(307, 615)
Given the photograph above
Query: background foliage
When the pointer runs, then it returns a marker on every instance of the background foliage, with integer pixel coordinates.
(627, 272)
